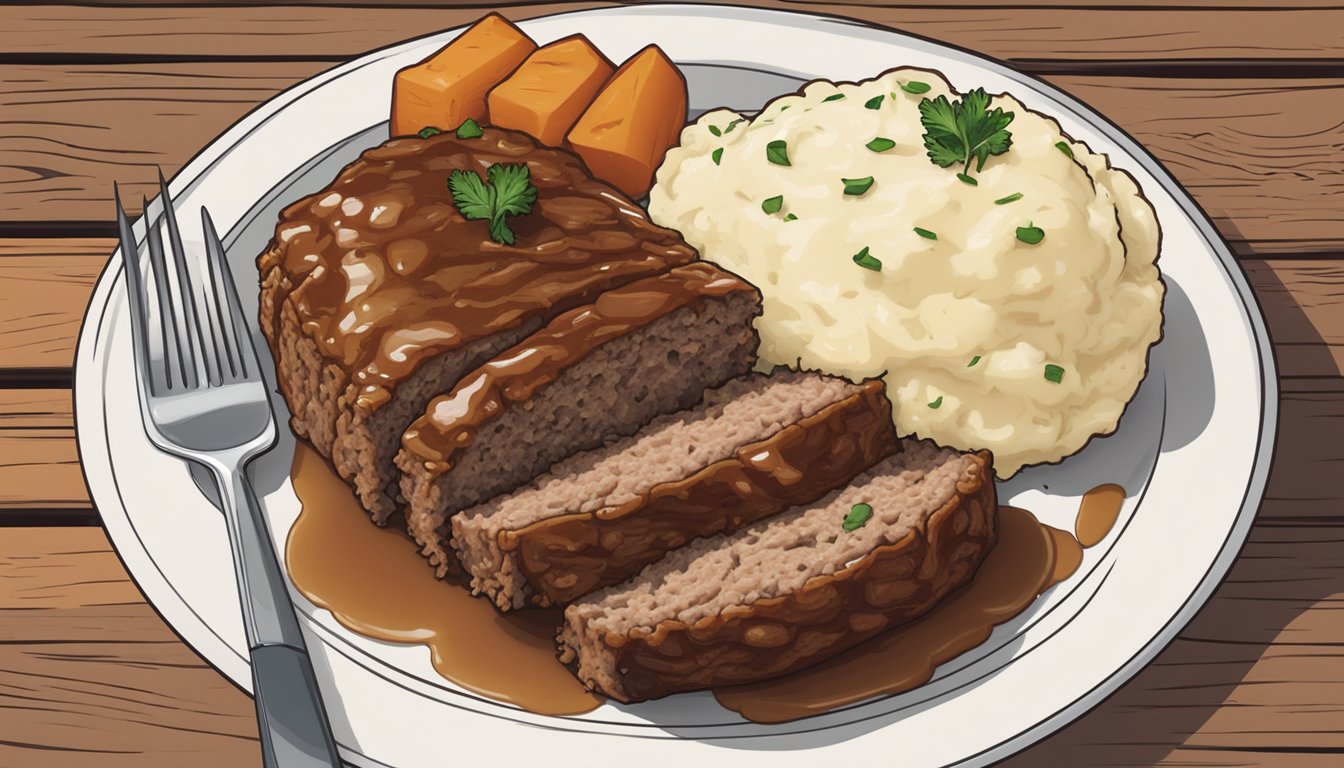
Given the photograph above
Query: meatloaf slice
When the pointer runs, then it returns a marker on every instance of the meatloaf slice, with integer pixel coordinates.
(378, 295)
(794, 590)
(595, 373)
(751, 448)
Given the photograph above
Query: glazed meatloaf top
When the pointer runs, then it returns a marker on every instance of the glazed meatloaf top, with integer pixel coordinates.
(384, 272)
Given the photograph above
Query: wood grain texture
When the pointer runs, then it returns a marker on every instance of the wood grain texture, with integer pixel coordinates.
(1031, 38)
(90, 676)
(44, 288)
(86, 666)
(1270, 185)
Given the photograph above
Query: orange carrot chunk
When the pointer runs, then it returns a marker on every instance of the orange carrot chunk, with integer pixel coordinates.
(451, 85)
(546, 95)
(632, 123)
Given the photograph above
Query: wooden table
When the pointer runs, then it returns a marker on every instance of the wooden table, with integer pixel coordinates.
(1244, 104)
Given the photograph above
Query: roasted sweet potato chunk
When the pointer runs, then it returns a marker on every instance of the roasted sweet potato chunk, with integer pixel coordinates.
(548, 92)
(451, 85)
(631, 124)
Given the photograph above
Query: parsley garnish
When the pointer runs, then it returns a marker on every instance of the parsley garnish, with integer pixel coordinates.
(936, 404)
(1063, 146)
(777, 152)
(880, 144)
(867, 260)
(1030, 235)
(1054, 373)
(926, 234)
(974, 360)
(858, 515)
(968, 180)
(916, 87)
(1009, 199)
(874, 103)
(428, 131)
(965, 130)
(732, 125)
(507, 191)
(857, 186)
(833, 97)
(714, 129)
(469, 129)
(772, 204)
(790, 217)
(716, 155)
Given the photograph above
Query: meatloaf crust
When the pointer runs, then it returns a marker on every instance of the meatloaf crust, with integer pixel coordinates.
(377, 295)
(571, 555)
(892, 584)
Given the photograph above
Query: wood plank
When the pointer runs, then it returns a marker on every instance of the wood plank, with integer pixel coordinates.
(1029, 37)
(90, 676)
(86, 666)
(1268, 183)
(44, 289)
(1303, 301)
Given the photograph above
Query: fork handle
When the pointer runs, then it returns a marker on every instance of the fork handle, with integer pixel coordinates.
(290, 716)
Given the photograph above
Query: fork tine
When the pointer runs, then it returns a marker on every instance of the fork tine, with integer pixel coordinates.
(146, 343)
(217, 304)
(202, 358)
(226, 298)
(175, 372)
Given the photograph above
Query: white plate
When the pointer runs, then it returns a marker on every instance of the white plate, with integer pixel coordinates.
(1207, 406)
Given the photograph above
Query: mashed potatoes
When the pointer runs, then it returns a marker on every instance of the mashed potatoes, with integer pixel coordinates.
(986, 339)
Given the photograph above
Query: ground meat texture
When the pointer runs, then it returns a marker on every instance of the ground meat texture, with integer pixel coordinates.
(791, 591)
(597, 373)
(377, 295)
(747, 450)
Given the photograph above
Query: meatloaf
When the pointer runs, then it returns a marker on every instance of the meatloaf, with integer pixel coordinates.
(377, 295)
(598, 372)
(794, 590)
(753, 447)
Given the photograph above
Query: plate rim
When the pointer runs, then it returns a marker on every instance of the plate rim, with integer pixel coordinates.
(1249, 306)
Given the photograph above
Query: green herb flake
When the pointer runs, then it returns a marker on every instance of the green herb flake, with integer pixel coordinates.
(428, 131)
(1063, 146)
(1030, 235)
(716, 155)
(936, 404)
(926, 234)
(965, 130)
(857, 187)
(968, 180)
(874, 103)
(1009, 199)
(880, 144)
(469, 129)
(867, 260)
(772, 204)
(732, 125)
(833, 97)
(974, 360)
(790, 217)
(916, 87)
(506, 191)
(777, 152)
(714, 129)
(1054, 373)
(859, 514)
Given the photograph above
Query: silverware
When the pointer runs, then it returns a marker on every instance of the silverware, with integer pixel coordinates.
(203, 399)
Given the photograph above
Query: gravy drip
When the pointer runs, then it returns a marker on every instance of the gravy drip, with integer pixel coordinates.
(374, 584)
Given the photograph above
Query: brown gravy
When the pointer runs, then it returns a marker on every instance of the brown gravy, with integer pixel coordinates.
(342, 563)
(374, 584)
(1019, 568)
(1097, 513)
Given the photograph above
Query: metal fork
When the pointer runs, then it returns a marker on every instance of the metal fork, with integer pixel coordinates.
(203, 399)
